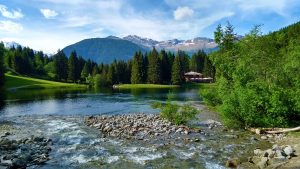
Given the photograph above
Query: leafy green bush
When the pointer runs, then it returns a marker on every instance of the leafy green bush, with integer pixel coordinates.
(175, 113)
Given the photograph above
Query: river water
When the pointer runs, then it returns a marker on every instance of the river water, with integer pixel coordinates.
(59, 115)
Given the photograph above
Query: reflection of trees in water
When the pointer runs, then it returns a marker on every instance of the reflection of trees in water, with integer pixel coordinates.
(2, 98)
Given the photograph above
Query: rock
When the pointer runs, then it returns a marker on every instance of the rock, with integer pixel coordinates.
(19, 163)
(232, 163)
(288, 150)
(179, 130)
(253, 139)
(263, 163)
(279, 154)
(257, 152)
(275, 147)
(264, 137)
(196, 140)
(186, 132)
(270, 153)
(6, 133)
(258, 131)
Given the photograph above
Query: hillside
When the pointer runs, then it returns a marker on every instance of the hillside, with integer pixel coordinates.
(104, 50)
(13, 82)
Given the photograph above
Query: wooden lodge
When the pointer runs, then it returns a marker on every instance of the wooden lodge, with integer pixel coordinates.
(197, 77)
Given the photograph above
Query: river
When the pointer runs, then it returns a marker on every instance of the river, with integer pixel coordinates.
(58, 115)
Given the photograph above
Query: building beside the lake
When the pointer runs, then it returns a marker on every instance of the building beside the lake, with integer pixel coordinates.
(197, 77)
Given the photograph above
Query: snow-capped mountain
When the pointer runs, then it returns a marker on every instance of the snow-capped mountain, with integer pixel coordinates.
(191, 45)
(146, 42)
(11, 44)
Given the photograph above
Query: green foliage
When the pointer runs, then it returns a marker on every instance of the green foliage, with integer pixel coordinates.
(154, 68)
(84, 72)
(1, 64)
(73, 72)
(137, 70)
(174, 113)
(100, 80)
(60, 65)
(197, 61)
(258, 78)
(166, 67)
(177, 72)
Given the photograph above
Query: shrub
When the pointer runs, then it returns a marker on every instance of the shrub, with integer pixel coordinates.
(175, 113)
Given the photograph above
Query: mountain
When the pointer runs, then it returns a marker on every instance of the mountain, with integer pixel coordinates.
(11, 44)
(190, 46)
(145, 42)
(104, 50)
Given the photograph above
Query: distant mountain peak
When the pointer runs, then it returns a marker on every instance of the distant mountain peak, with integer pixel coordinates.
(11, 44)
(113, 37)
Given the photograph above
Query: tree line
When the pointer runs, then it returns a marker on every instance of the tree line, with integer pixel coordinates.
(258, 80)
(155, 67)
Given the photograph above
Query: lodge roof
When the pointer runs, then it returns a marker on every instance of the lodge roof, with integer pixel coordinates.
(191, 73)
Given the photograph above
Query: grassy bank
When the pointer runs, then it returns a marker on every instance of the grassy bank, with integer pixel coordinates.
(13, 82)
(144, 86)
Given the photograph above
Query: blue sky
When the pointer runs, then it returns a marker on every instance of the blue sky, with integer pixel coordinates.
(50, 25)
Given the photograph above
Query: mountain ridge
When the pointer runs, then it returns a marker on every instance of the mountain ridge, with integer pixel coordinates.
(105, 50)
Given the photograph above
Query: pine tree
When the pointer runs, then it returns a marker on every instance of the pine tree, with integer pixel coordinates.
(219, 35)
(137, 69)
(197, 61)
(1, 64)
(85, 71)
(95, 70)
(60, 65)
(154, 70)
(111, 75)
(165, 67)
(73, 74)
(177, 77)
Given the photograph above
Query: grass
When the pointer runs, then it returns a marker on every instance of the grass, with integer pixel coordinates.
(144, 86)
(13, 82)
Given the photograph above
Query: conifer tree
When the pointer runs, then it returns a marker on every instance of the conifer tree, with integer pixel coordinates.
(177, 73)
(73, 74)
(85, 71)
(95, 70)
(153, 73)
(1, 64)
(60, 65)
(165, 67)
(137, 69)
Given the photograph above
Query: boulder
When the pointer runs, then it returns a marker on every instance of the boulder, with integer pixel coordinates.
(232, 163)
(263, 163)
(288, 151)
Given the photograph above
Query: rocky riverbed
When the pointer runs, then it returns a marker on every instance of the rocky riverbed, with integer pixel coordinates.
(23, 153)
(137, 126)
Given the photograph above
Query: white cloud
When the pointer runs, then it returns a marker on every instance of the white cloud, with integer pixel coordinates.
(182, 13)
(14, 14)
(48, 13)
(10, 27)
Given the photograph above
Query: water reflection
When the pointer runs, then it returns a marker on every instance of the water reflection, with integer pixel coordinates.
(89, 101)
